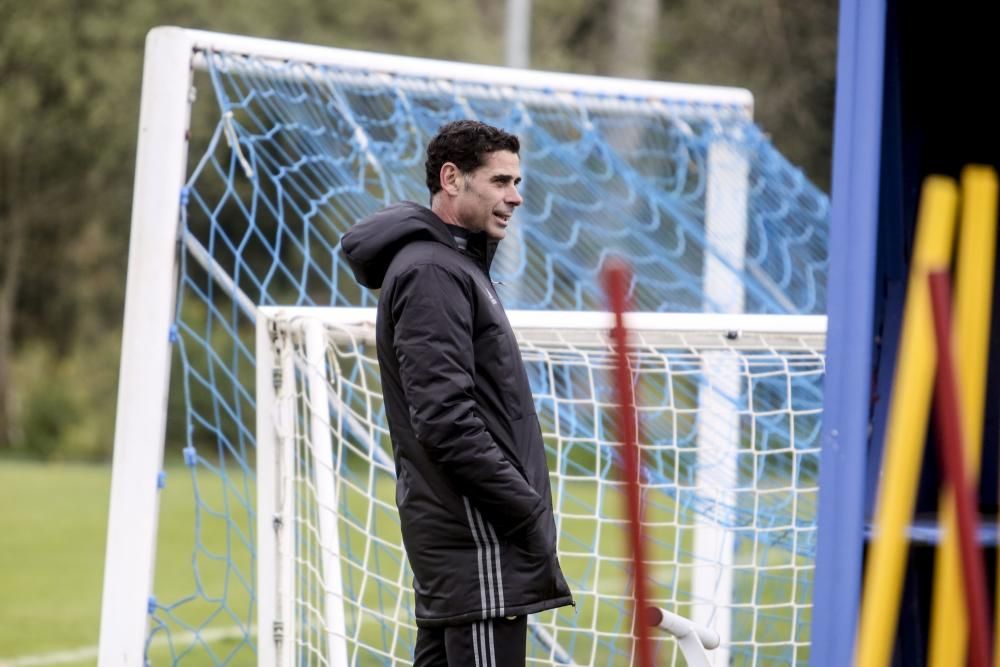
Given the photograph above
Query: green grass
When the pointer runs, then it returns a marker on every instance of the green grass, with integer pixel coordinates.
(53, 525)
(51, 566)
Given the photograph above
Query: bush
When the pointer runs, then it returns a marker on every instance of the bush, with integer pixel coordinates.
(64, 407)
(49, 414)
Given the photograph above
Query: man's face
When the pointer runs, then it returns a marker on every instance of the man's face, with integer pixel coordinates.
(487, 198)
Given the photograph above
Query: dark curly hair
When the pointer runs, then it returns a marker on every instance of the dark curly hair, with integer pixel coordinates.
(465, 143)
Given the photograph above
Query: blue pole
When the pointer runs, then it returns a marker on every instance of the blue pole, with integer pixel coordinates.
(850, 299)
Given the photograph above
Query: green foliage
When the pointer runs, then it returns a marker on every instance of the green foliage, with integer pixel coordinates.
(48, 417)
(782, 50)
(66, 410)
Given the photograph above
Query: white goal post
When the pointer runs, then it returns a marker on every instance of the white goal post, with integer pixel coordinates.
(333, 584)
(254, 156)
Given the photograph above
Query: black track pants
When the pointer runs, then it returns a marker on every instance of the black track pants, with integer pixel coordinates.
(496, 642)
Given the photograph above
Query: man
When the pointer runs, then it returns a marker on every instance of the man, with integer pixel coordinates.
(472, 483)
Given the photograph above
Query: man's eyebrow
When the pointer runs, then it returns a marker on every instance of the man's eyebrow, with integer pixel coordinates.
(505, 178)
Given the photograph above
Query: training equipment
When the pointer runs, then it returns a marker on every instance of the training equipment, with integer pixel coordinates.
(951, 452)
(255, 156)
(617, 275)
(906, 432)
(974, 267)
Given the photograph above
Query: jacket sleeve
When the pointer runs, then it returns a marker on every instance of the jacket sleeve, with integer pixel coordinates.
(433, 322)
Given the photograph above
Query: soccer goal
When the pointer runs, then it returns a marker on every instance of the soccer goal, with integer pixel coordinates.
(728, 410)
(255, 156)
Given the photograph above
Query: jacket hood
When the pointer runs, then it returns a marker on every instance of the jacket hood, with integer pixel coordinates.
(370, 245)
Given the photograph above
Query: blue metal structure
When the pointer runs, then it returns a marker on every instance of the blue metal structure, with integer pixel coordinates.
(853, 236)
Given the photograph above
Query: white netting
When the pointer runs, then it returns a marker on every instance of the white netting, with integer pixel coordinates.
(729, 437)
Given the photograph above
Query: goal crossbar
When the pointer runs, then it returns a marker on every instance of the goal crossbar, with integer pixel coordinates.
(733, 325)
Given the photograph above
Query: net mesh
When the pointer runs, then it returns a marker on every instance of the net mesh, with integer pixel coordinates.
(326, 146)
(766, 475)
(287, 155)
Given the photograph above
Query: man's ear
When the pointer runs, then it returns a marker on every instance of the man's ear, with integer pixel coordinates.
(450, 178)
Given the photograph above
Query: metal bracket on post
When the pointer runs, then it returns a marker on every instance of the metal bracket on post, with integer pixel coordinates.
(693, 639)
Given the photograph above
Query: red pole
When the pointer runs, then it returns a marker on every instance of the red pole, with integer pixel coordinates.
(951, 448)
(617, 277)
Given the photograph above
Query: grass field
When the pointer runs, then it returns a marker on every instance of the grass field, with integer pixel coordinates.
(54, 526)
(52, 562)
(51, 572)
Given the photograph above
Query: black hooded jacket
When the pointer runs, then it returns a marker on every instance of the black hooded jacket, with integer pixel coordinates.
(472, 482)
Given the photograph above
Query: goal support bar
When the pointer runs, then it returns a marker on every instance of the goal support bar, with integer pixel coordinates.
(140, 421)
(591, 320)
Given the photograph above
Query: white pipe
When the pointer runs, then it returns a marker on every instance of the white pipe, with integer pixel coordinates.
(734, 326)
(517, 34)
(695, 98)
(681, 627)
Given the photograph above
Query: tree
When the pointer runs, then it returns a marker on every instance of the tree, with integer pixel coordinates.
(783, 51)
(50, 175)
(633, 26)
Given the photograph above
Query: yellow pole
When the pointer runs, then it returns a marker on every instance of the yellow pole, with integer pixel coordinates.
(906, 432)
(973, 310)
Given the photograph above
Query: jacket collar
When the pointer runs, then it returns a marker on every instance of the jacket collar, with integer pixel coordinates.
(476, 245)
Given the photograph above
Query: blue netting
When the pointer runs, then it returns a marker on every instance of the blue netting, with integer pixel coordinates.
(298, 153)
(602, 175)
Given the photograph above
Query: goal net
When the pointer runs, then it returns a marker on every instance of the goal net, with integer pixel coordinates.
(729, 419)
(254, 158)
